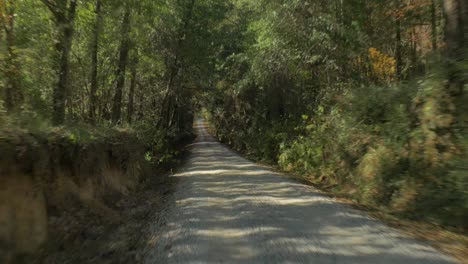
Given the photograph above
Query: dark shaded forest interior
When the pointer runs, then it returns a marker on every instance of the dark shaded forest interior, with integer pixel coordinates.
(365, 99)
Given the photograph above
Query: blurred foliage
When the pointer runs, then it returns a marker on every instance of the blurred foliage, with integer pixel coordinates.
(351, 94)
(313, 87)
(383, 66)
(161, 61)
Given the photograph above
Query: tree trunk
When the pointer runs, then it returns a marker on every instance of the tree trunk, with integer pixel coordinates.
(64, 20)
(141, 101)
(434, 24)
(456, 27)
(174, 69)
(123, 60)
(131, 95)
(398, 49)
(13, 93)
(94, 63)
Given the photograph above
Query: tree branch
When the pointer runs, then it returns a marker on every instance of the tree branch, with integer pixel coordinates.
(52, 6)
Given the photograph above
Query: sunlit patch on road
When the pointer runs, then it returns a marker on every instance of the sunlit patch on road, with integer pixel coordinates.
(229, 210)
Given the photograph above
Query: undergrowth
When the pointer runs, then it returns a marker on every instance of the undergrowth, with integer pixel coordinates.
(392, 147)
(162, 146)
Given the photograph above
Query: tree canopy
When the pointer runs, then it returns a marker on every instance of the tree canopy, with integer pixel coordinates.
(370, 94)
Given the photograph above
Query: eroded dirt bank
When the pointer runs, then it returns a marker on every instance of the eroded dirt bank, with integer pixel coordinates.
(106, 241)
(70, 198)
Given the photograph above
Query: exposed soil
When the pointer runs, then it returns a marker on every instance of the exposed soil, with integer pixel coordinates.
(80, 235)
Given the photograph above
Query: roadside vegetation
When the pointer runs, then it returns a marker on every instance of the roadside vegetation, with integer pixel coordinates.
(364, 98)
(96, 99)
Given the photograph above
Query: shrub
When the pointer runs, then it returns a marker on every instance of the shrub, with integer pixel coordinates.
(393, 144)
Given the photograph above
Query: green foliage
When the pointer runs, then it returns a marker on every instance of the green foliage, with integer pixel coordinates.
(302, 88)
(378, 141)
(322, 88)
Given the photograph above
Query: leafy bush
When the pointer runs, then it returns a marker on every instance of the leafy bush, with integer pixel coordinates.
(391, 144)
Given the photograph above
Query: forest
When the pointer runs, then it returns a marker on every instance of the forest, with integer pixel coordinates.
(364, 99)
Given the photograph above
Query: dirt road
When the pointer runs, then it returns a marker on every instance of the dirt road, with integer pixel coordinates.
(230, 210)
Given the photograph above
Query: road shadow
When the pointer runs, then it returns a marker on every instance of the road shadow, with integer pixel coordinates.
(229, 210)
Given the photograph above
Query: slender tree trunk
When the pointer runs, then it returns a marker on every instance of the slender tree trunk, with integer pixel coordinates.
(123, 60)
(141, 100)
(131, 94)
(64, 19)
(398, 49)
(13, 92)
(174, 69)
(172, 116)
(456, 27)
(434, 24)
(94, 63)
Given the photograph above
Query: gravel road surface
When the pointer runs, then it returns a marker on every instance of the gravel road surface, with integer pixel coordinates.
(227, 209)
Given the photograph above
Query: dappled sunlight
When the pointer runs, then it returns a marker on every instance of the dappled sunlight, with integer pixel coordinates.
(230, 233)
(217, 172)
(231, 210)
